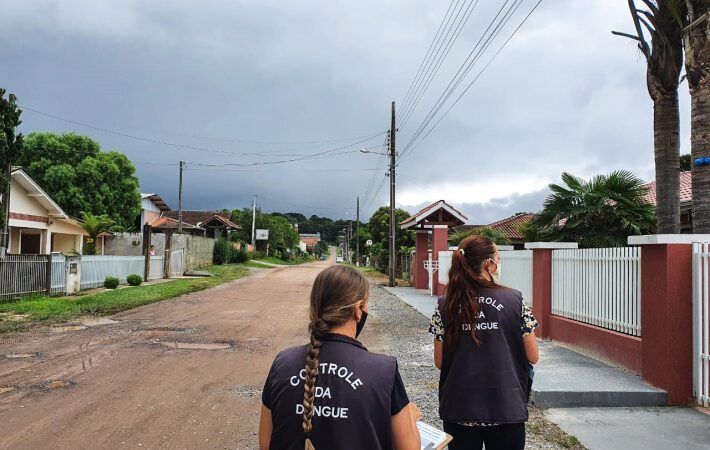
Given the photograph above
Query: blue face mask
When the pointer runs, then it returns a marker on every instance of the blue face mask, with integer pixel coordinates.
(361, 323)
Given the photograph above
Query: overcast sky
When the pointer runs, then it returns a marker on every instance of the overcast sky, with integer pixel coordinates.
(271, 77)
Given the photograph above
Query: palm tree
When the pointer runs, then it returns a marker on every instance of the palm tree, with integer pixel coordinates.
(696, 37)
(94, 226)
(664, 59)
(601, 212)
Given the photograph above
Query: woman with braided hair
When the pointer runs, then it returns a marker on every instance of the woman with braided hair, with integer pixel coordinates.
(485, 347)
(332, 393)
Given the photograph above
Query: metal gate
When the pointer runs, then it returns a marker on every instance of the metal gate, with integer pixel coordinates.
(22, 275)
(701, 323)
(177, 262)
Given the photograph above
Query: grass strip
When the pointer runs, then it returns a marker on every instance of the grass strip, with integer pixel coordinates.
(57, 309)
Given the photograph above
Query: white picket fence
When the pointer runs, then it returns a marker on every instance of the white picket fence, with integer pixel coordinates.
(701, 323)
(516, 272)
(601, 287)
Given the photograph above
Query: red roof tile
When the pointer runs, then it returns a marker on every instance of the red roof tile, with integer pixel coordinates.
(511, 226)
(200, 217)
(686, 189)
(421, 215)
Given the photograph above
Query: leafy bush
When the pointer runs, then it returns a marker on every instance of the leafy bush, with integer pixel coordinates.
(111, 282)
(238, 256)
(134, 279)
(257, 254)
(221, 252)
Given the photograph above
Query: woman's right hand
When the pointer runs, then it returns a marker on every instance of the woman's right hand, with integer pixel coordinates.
(404, 428)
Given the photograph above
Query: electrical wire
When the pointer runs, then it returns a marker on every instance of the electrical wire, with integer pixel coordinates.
(473, 81)
(474, 56)
(184, 146)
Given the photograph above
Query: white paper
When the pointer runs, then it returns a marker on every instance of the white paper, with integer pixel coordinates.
(431, 437)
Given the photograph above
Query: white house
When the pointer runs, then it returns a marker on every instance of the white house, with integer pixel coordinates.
(37, 224)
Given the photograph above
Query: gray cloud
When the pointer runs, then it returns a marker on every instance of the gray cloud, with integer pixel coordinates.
(566, 95)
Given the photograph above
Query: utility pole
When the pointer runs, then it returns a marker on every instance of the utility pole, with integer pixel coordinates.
(350, 252)
(357, 234)
(392, 154)
(182, 167)
(253, 223)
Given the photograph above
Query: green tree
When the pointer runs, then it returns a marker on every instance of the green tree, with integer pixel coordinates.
(379, 227)
(685, 163)
(601, 212)
(94, 226)
(11, 148)
(663, 21)
(496, 236)
(82, 178)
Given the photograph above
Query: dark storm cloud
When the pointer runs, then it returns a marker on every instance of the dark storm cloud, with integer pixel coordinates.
(564, 96)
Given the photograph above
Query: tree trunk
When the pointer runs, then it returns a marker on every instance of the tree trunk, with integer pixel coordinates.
(697, 67)
(666, 128)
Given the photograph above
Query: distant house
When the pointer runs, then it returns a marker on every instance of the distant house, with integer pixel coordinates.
(308, 242)
(214, 224)
(686, 200)
(510, 227)
(152, 207)
(38, 225)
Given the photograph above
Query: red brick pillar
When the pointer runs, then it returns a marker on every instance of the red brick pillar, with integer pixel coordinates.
(421, 277)
(667, 313)
(440, 243)
(542, 282)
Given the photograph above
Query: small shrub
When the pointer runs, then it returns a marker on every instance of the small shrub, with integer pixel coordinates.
(258, 254)
(220, 254)
(134, 280)
(238, 256)
(111, 282)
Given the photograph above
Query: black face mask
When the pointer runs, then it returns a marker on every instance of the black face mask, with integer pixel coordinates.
(361, 324)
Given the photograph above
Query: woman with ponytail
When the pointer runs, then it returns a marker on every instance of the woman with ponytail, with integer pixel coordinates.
(484, 345)
(332, 393)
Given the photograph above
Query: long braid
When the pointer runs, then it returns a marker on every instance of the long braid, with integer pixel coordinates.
(309, 392)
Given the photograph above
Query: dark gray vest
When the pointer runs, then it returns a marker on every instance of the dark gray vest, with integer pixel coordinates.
(353, 397)
(487, 383)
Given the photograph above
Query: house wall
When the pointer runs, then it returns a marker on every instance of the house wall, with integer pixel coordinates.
(14, 240)
(65, 243)
(198, 250)
(149, 216)
(20, 202)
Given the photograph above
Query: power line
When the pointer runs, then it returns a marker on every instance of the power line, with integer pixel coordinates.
(424, 62)
(500, 49)
(473, 57)
(183, 146)
(440, 61)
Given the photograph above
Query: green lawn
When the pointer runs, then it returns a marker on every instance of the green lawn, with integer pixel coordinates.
(51, 309)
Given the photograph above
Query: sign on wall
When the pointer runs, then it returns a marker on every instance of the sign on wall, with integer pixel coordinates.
(262, 235)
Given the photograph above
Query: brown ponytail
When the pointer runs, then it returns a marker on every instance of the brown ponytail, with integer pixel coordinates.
(336, 292)
(465, 282)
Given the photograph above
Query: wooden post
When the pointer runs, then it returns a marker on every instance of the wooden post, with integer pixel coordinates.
(147, 231)
(168, 253)
(48, 275)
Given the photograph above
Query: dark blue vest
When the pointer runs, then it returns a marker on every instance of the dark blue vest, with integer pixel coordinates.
(353, 397)
(489, 382)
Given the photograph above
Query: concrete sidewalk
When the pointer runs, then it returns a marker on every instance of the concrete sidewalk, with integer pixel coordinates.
(635, 428)
(419, 299)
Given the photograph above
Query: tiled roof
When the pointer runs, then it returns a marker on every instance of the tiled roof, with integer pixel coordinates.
(511, 226)
(686, 189)
(200, 217)
(168, 223)
(421, 215)
(310, 241)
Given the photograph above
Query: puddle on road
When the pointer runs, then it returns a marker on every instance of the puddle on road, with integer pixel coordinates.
(196, 346)
(20, 355)
(95, 321)
(4, 389)
(57, 384)
(67, 328)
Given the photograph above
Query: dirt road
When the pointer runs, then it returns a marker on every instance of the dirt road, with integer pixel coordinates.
(183, 373)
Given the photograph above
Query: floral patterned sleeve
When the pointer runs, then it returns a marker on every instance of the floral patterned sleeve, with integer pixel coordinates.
(528, 321)
(436, 326)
